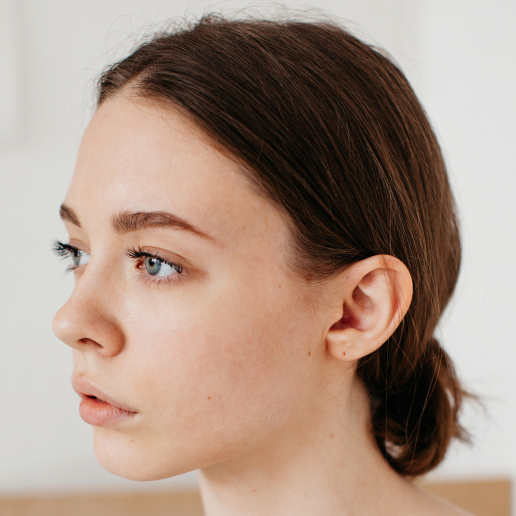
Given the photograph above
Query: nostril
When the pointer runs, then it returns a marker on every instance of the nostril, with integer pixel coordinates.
(90, 342)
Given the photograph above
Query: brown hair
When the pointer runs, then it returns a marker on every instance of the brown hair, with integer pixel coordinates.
(329, 129)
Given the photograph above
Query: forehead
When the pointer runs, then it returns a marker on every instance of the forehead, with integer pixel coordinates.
(139, 156)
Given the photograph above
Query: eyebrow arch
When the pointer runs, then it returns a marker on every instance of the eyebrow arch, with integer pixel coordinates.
(126, 222)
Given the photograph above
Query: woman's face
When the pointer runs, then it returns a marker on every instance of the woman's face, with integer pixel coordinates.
(211, 353)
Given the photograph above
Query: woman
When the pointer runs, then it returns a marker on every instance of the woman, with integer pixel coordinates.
(263, 239)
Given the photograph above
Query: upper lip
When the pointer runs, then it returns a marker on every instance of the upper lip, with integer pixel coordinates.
(83, 387)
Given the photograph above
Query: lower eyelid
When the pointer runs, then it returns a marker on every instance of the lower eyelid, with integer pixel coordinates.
(156, 280)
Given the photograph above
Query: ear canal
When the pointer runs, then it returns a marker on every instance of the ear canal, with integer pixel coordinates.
(346, 321)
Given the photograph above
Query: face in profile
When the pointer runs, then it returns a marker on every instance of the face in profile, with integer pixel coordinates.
(193, 342)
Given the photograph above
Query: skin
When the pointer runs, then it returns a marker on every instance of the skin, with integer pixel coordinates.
(235, 366)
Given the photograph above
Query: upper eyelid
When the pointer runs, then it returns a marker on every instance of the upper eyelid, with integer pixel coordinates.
(138, 253)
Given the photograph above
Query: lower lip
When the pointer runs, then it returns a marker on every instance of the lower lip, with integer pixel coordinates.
(99, 413)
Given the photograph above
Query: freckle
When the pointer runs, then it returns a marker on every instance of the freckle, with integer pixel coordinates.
(254, 490)
(331, 435)
(209, 397)
(309, 353)
(279, 286)
(132, 440)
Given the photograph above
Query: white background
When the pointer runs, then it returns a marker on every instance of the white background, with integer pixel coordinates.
(460, 57)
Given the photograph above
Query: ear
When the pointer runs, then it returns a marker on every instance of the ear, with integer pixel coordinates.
(375, 295)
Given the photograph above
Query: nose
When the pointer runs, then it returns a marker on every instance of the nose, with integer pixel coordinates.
(87, 321)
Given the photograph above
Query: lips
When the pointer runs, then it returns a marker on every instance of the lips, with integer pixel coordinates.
(98, 408)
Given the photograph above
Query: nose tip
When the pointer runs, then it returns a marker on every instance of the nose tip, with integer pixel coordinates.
(87, 326)
(60, 326)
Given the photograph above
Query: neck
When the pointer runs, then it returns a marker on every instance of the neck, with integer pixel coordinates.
(325, 461)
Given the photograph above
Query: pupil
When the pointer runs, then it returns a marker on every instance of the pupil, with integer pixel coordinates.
(152, 265)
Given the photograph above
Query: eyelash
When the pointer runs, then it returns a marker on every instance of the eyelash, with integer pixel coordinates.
(66, 250)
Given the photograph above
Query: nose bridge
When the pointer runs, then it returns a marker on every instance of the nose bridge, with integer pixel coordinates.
(89, 319)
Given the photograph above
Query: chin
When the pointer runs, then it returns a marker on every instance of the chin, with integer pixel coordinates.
(126, 456)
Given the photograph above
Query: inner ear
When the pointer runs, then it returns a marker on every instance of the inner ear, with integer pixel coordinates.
(354, 313)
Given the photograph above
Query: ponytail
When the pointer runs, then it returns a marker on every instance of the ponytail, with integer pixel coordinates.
(415, 417)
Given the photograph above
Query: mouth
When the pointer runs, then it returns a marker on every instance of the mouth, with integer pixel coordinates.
(98, 408)
(98, 398)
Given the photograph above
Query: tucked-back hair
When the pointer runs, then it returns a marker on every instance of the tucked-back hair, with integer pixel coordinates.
(330, 131)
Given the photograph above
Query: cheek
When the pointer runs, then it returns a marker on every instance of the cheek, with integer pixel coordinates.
(224, 370)
(212, 373)
(235, 354)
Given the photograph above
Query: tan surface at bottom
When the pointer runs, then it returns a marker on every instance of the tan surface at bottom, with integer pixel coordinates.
(487, 498)
(481, 498)
(181, 503)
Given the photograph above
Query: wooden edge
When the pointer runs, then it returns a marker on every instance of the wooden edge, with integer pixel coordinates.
(479, 497)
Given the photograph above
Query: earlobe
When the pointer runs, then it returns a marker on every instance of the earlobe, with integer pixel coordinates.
(375, 295)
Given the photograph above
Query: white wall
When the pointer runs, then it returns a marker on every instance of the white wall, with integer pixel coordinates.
(470, 93)
(459, 55)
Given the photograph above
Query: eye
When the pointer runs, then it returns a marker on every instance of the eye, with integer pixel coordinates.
(78, 256)
(155, 266)
(158, 267)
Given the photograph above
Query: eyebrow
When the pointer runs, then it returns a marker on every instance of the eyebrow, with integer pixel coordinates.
(68, 214)
(127, 222)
